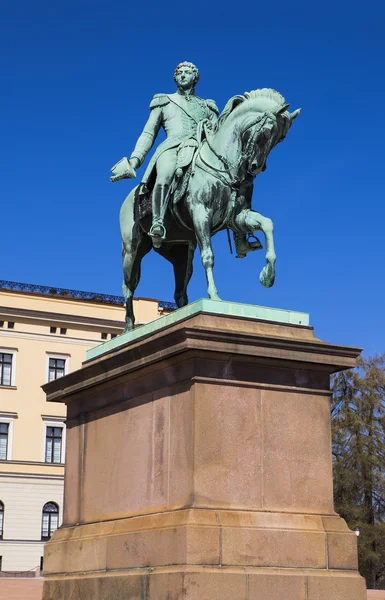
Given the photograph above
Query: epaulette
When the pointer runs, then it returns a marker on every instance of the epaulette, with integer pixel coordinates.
(159, 100)
(211, 104)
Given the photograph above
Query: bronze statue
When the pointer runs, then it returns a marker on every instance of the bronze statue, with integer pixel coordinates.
(199, 181)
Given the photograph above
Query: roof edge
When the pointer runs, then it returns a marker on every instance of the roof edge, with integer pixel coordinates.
(69, 294)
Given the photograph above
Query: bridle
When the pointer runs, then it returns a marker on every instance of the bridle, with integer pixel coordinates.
(220, 174)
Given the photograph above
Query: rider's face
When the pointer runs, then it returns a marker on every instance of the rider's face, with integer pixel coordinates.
(185, 77)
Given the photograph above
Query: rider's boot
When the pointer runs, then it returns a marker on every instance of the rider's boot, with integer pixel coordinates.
(243, 246)
(158, 230)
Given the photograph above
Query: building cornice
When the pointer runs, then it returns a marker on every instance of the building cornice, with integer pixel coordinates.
(7, 414)
(62, 318)
(77, 295)
(17, 475)
(22, 542)
(45, 337)
(53, 418)
(35, 463)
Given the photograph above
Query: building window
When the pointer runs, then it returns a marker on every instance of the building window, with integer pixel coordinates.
(63, 331)
(11, 324)
(1, 521)
(103, 336)
(1, 323)
(5, 368)
(50, 520)
(54, 439)
(113, 335)
(4, 436)
(41, 563)
(53, 444)
(8, 367)
(52, 329)
(56, 368)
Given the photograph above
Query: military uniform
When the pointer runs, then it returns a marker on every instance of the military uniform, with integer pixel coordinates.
(179, 116)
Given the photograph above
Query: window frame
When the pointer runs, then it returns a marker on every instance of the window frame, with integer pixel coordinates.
(7, 417)
(2, 522)
(7, 439)
(53, 439)
(56, 356)
(45, 538)
(13, 352)
(51, 421)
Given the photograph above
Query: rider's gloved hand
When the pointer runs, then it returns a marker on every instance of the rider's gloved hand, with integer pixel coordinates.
(134, 162)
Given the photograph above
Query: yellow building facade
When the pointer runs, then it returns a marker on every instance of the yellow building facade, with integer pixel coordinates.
(44, 334)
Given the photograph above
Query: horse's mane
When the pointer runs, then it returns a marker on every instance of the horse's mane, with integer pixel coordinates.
(263, 93)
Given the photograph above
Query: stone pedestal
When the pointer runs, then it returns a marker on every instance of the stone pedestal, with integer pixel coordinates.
(199, 467)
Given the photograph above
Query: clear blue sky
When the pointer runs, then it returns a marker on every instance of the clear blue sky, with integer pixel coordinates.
(77, 77)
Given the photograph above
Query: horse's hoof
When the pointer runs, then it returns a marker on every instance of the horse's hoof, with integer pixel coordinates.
(181, 300)
(267, 276)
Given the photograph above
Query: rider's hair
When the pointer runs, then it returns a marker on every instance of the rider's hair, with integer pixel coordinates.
(192, 67)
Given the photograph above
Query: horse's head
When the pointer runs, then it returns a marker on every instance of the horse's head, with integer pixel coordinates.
(259, 120)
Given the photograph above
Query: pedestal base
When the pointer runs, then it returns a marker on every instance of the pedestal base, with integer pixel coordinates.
(199, 467)
(209, 583)
(199, 554)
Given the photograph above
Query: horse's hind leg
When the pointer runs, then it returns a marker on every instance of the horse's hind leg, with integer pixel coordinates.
(127, 287)
(181, 257)
(183, 270)
(132, 258)
(136, 244)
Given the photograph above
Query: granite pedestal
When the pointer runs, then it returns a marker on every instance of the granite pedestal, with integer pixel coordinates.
(198, 465)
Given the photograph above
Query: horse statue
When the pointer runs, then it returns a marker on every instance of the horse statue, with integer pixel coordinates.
(216, 195)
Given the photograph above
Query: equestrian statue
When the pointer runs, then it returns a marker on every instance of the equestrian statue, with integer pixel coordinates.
(198, 182)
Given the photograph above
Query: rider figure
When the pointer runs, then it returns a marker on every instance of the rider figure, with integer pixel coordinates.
(179, 115)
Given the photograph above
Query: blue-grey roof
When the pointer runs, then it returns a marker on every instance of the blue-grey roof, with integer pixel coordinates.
(73, 294)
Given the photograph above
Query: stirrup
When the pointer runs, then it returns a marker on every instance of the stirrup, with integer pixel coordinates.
(247, 245)
(158, 234)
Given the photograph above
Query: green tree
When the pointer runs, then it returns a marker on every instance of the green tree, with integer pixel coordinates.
(358, 429)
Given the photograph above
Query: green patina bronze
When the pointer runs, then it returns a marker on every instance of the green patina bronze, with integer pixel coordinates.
(203, 306)
(199, 181)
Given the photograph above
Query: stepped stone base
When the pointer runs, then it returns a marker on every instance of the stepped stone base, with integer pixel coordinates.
(199, 467)
(201, 554)
(209, 583)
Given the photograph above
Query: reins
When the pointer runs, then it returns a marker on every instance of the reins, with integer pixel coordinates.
(203, 136)
(200, 162)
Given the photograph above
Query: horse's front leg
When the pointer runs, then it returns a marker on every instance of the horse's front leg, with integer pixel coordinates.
(250, 221)
(267, 275)
(202, 224)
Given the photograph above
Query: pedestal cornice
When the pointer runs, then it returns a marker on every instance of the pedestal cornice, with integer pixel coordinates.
(221, 337)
